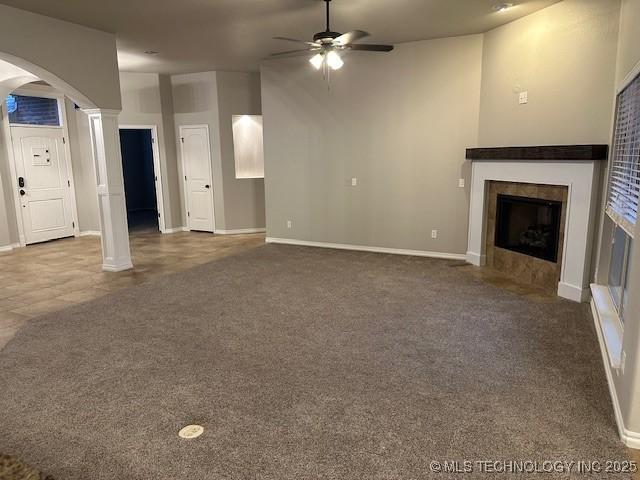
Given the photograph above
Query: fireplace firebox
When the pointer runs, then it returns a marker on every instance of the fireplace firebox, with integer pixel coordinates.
(528, 225)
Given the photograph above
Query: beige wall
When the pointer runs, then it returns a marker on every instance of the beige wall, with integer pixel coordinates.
(195, 102)
(84, 176)
(79, 61)
(173, 204)
(210, 98)
(629, 46)
(398, 122)
(238, 94)
(564, 56)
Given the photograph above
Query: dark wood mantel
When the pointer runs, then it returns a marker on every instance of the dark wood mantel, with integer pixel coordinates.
(547, 152)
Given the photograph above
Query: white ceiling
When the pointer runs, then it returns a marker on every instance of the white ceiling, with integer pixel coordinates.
(201, 35)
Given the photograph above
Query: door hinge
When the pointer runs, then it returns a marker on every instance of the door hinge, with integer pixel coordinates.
(185, 177)
(69, 183)
(158, 214)
(188, 214)
(63, 140)
(153, 140)
(156, 178)
(182, 139)
(73, 224)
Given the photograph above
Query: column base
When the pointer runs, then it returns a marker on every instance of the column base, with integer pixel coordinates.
(117, 268)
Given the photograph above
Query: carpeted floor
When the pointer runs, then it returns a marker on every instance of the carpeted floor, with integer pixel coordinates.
(305, 364)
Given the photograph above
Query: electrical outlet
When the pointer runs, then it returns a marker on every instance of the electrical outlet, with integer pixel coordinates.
(434, 233)
(289, 224)
(523, 98)
(461, 183)
(354, 182)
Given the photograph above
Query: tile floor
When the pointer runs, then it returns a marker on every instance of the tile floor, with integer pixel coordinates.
(50, 276)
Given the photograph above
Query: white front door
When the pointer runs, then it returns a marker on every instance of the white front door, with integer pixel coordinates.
(43, 182)
(198, 184)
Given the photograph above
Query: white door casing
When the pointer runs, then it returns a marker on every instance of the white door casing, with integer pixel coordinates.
(46, 208)
(157, 171)
(197, 176)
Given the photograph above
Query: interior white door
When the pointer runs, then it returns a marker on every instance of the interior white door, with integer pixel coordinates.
(196, 162)
(43, 183)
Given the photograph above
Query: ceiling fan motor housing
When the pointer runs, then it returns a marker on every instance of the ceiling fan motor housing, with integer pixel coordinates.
(325, 37)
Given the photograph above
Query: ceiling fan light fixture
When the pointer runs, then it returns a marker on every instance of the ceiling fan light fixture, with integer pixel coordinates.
(334, 61)
(327, 46)
(317, 60)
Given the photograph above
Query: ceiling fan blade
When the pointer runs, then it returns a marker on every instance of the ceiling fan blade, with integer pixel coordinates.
(368, 47)
(350, 37)
(294, 53)
(286, 39)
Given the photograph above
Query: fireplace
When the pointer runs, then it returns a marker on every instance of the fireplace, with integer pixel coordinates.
(528, 225)
(525, 231)
(562, 173)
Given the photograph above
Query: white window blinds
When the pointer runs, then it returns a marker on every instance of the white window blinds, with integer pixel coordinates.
(624, 180)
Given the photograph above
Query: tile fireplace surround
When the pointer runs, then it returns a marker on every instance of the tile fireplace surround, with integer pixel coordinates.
(526, 268)
(578, 168)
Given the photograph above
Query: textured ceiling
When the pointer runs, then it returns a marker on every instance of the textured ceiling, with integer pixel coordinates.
(200, 35)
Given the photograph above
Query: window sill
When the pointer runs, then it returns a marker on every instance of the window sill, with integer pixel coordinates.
(610, 325)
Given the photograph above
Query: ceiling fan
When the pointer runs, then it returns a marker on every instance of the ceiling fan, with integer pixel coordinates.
(328, 45)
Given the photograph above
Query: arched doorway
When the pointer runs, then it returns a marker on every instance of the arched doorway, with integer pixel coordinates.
(105, 147)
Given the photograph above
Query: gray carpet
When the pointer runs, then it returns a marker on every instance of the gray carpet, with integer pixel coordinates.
(305, 364)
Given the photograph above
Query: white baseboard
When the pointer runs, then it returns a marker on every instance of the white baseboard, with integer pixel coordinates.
(242, 231)
(176, 230)
(117, 268)
(90, 233)
(9, 248)
(573, 292)
(476, 259)
(629, 438)
(364, 248)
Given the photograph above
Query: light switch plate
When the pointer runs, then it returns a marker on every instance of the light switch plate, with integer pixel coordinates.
(354, 182)
(523, 98)
(289, 223)
(461, 183)
(434, 233)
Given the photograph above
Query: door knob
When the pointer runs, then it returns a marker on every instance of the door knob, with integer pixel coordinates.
(207, 186)
(22, 193)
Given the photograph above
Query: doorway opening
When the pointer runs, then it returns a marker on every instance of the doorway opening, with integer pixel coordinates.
(142, 181)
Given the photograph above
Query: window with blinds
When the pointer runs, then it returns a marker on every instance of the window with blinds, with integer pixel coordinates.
(24, 110)
(624, 181)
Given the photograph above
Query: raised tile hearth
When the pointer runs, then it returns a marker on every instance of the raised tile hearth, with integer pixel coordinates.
(574, 182)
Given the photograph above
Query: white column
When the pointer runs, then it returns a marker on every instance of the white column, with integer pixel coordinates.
(107, 158)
